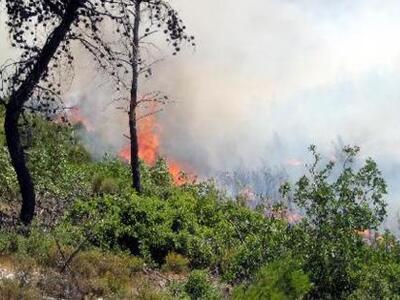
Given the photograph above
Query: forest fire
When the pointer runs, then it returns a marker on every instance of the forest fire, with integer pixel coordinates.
(149, 149)
(149, 144)
(76, 117)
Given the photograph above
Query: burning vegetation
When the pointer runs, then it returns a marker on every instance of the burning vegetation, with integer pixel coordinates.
(101, 224)
(149, 144)
(149, 150)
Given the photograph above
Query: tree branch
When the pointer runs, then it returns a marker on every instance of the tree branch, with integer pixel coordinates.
(54, 8)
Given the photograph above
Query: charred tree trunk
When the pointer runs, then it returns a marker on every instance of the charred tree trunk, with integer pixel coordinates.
(19, 163)
(15, 107)
(135, 165)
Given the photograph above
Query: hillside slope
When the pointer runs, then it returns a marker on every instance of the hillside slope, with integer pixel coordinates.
(94, 237)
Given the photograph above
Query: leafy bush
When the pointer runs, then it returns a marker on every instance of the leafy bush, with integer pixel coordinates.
(8, 179)
(105, 273)
(336, 209)
(378, 281)
(35, 245)
(12, 289)
(199, 226)
(175, 262)
(147, 292)
(103, 185)
(203, 225)
(199, 286)
(379, 274)
(282, 279)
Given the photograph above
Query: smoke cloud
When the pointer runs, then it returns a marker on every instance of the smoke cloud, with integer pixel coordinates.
(271, 77)
(267, 79)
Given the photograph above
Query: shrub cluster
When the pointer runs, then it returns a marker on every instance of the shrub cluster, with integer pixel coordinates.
(184, 229)
(221, 235)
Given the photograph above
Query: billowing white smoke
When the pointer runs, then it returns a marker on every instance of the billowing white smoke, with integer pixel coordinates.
(269, 78)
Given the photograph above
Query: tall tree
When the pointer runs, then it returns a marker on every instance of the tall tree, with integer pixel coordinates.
(139, 20)
(29, 83)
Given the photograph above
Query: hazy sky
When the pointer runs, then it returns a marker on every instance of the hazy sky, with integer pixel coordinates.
(270, 77)
(307, 71)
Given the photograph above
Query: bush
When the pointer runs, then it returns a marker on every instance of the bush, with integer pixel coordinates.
(105, 274)
(149, 293)
(378, 281)
(12, 289)
(36, 245)
(198, 286)
(8, 179)
(175, 262)
(191, 221)
(282, 279)
(94, 263)
(379, 274)
(103, 185)
(337, 205)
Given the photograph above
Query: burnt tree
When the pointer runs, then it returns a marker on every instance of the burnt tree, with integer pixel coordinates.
(134, 143)
(140, 19)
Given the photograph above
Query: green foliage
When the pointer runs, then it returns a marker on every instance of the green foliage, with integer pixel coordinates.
(282, 279)
(103, 185)
(56, 160)
(199, 286)
(105, 273)
(60, 166)
(175, 262)
(379, 274)
(378, 281)
(8, 180)
(35, 245)
(336, 209)
(12, 289)
(198, 226)
(147, 292)
(252, 241)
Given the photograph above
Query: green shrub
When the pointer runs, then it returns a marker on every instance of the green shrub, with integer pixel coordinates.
(379, 274)
(105, 274)
(147, 292)
(103, 185)
(12, 289)
(35, 245)
(378, 281)
(177, 290)
(8, 179)
(198, 226)
(175, 262)
(96, 263)
(337, 204)
(282, 279)
(199, 286)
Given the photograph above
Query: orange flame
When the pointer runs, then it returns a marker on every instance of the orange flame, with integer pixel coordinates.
(149, 142)
(149, 148)
(366, 234)
(76, 116)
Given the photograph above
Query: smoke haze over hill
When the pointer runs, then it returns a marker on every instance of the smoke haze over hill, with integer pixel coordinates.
(267, 79)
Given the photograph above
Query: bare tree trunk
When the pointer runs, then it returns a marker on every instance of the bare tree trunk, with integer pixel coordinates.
(15, 106)
(135, 165)
(19, 162)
